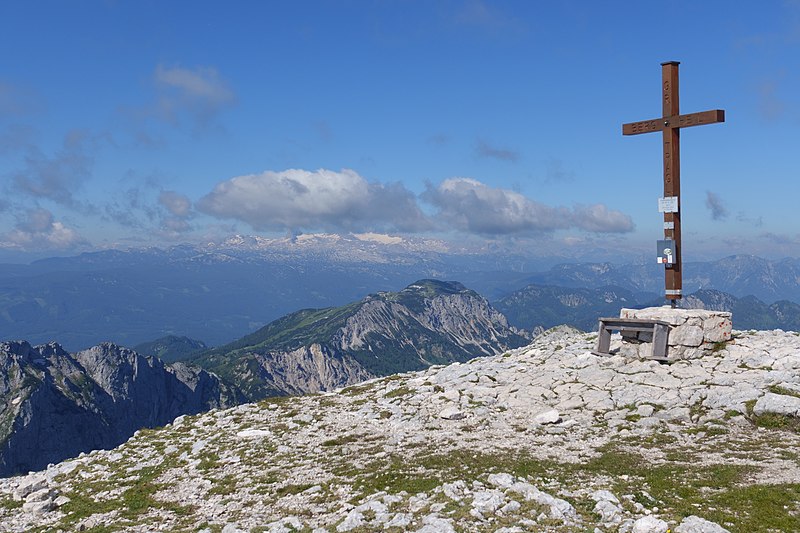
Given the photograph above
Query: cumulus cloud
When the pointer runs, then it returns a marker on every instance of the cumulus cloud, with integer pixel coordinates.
(484, 149)
(716, 206)
(38, 230)
(324, 199)
(201, 92)
(469, 205)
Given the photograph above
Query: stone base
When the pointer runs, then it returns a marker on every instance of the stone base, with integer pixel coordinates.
(693, 333)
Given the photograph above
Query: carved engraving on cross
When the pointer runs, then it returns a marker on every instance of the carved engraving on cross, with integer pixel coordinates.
(670, 124)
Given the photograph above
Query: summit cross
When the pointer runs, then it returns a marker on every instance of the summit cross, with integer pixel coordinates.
(669, 124)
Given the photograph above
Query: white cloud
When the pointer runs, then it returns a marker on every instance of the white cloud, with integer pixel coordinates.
(40, 231)
(324, 199)
(468, 205)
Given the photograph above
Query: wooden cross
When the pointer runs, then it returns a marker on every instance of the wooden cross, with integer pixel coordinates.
(669, 124)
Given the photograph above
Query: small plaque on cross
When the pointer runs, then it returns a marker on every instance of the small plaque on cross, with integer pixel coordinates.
(668, 204)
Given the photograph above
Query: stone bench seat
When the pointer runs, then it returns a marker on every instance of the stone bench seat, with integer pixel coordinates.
(657, 330)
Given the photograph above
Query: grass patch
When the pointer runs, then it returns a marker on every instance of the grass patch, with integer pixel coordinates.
(777, 389)
(398, 392)
(208, 460)
(339, 441)
(777, 421)
(10, 503)
(288, 490)
(223, 486)
(355, 390)
(772, 420)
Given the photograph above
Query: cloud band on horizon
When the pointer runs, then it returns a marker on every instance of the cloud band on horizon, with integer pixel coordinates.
(305, 200)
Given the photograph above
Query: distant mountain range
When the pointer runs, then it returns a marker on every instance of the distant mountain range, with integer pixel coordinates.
(540, 306)
(221, 292)
(739, 275)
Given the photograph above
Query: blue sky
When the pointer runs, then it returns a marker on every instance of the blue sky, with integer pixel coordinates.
(151, 123)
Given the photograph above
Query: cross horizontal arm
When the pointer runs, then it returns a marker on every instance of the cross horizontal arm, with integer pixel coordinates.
(677, 121)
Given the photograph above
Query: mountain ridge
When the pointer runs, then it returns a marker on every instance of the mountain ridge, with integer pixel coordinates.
(428, 322)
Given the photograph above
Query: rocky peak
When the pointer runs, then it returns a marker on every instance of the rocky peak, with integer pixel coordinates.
(54, 405)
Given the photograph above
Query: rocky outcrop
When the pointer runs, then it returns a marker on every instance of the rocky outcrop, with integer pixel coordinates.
(309, 369)
(55, 405)
(544, 438)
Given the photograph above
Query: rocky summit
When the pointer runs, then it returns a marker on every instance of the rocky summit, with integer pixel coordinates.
(544, 438)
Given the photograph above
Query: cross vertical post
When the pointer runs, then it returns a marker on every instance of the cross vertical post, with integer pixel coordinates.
(669, 124)
(673, 276)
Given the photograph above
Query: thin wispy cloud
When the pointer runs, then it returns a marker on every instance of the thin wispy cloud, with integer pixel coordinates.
(556, 173)
(716, 206)
(177, 204)
(770, 103)
(179, 212)
(487, 16)
(60, 176)
(484, 149)
(199, 92)
(756, 222)
(439, 139)
(16, 101)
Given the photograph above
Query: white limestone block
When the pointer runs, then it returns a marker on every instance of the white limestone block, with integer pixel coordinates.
(686, 336)
(695, 524)
(547, 417)
(650, 524)
(777, 403)
(451, 413)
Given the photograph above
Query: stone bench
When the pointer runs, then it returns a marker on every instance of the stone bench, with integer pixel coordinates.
(656, 331)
